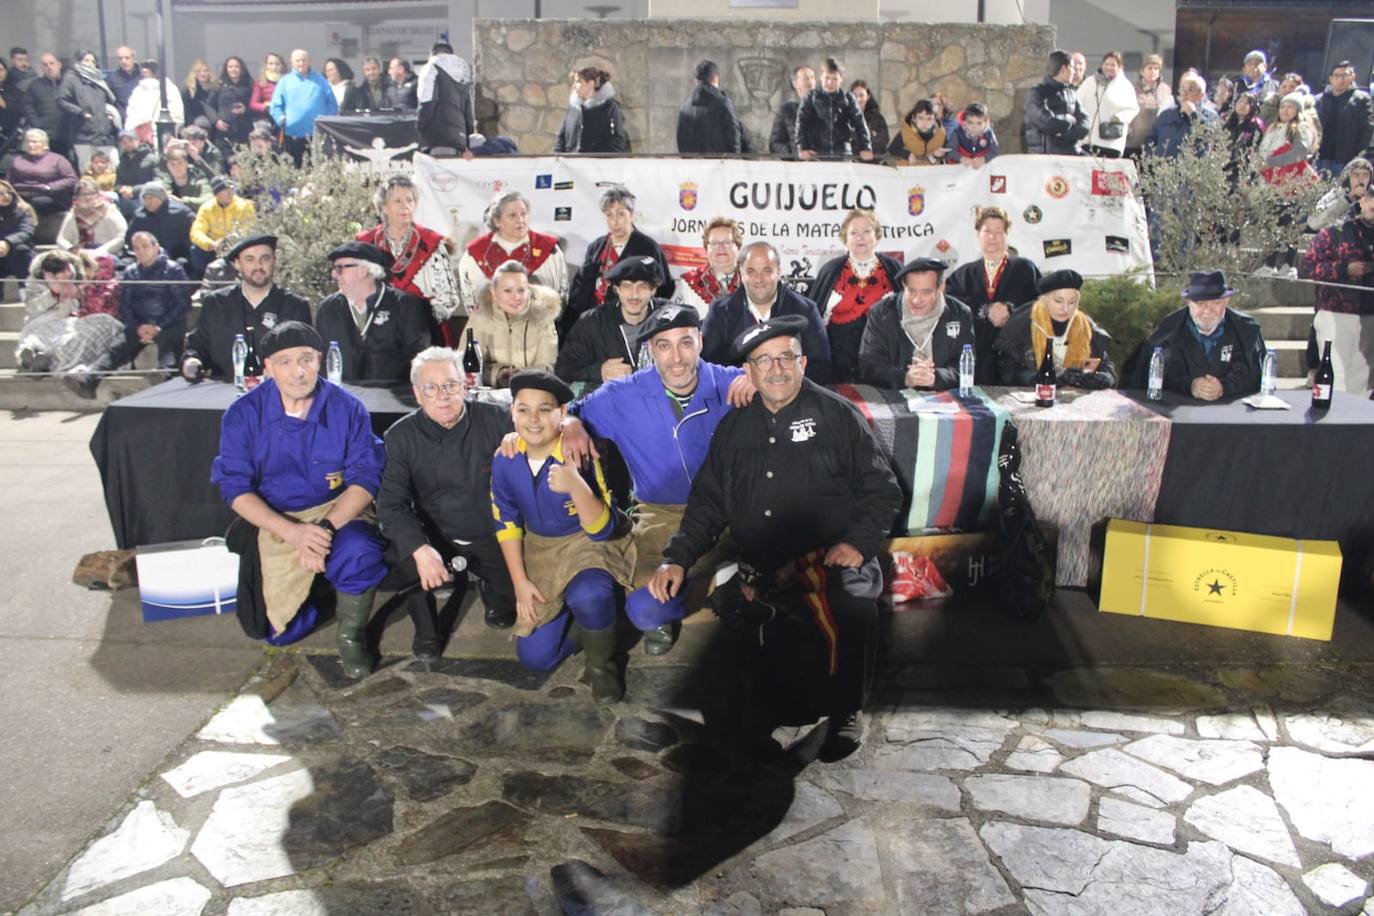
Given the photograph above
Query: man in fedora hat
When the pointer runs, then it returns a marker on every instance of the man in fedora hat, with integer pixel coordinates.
(1211, 351)
(378, 328)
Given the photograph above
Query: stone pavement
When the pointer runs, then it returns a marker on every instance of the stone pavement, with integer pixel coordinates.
(474, 786)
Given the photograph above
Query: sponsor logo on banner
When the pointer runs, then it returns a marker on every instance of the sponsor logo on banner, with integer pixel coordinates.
(1058, 247)
(916, 200)
(562, 214)
(687, 195)
(1110, 184)
(1057, 187)
(444, 181)
(1032, 214)
(997, 184)
(543, 181)
(562, 185)
(1118, 244)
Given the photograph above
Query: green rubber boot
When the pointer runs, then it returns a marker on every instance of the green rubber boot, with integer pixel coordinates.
(602, 672)
(352, 612)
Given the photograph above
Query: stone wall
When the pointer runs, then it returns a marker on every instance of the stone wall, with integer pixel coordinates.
(522, 67)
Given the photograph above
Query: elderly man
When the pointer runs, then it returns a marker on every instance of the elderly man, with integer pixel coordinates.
(707, 123)
(1343, 255)
(590, 286)
(154, 299)
(299, 464)
(168, 219)
(252, 307)
(435, 500)
(378, 328)
(219, 219)
(125, 77)
(800, 482)
(762, 296)
(915, 334)
(42, 105)
(782, 142)
(1055, 122)
(301, 96)
(719, 276)
(1174, 125)
(1210, 351)
(604, 344)
(1078, 68)
(1344, 113)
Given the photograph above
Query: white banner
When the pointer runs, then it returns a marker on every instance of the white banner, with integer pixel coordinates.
(1066, 211)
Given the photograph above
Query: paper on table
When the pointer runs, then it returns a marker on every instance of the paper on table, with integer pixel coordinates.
(1024, 397)
(919, 402)
(1266, 402)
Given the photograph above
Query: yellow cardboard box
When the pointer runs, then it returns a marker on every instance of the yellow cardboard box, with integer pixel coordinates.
(1221, 578)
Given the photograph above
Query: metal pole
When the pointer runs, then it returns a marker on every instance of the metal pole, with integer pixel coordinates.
(982, 10)
(104, 44)
(166, 127)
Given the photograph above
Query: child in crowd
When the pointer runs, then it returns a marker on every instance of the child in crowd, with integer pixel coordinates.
(972, 140)
(921, 139)
(101, 170)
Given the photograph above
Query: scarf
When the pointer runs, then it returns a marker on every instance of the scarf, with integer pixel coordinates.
(87, 218)
(921, 328)
(1079, 334)
(95, 78)
(490, 252)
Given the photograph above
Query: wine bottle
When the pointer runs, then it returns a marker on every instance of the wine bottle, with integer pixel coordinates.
(1324, 381)
(472, 362)
(252, 366)
(1046, 380)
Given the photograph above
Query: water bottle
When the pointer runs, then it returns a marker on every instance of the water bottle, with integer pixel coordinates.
(240, 356)
(966, 372)
(334, 363)
(1269, 379)
(1157, 374)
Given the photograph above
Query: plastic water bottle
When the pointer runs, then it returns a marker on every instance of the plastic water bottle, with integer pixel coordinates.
(240, 357)
(966, 372)
(1157, 374)
(1269, 379)
(334, 363)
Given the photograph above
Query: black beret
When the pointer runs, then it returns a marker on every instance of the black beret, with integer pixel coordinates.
(290, 334)
(636, 267)
(252, 241)
(782, 326)
(1059, 279)
(668, 316)
(540, 380)
(362, 251)
(920, 266)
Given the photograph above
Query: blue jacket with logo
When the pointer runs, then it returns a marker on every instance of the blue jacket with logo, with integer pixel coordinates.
(522, 501)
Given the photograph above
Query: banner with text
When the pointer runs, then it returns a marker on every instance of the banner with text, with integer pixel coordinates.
(1066, 212)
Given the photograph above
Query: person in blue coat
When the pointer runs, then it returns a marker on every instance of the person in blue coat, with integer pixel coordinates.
(301, 96)
(299, 464)
(762, 296)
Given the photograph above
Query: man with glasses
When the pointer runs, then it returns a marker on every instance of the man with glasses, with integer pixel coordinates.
(800, 482)
(1211, 351)
(252, 307)
(435, 498)
(1344, 112)
(378, 328)
(1174, 125)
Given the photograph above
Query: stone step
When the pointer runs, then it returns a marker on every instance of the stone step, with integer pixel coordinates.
(11, 316)
(1283, 322)
(23, 391)
(1292, 356)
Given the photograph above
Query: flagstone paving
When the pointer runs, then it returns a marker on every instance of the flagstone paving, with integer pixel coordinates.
(473, 786)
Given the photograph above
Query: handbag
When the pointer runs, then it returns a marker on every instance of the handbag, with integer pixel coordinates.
(1111, 130)
(1025, 566)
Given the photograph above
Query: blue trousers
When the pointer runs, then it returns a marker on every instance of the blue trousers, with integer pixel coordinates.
(590, 600)
(357, 558)
(646, 612)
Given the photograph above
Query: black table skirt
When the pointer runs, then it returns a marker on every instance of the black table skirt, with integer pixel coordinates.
(154, 450)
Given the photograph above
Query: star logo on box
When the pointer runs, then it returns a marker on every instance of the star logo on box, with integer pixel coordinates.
(1215, 583)
(997, 184)
(687, 195)
(916, 201)
(1032, 214)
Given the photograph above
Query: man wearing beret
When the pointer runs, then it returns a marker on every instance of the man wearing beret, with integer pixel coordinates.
(604, 343)
(1211, 351)
(762, 296)
(378, 328)
(252, 307)
(299, 464)
(800, 482)
(916, 332)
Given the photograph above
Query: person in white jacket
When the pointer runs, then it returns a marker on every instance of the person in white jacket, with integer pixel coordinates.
(1109, 100)
(146, 101)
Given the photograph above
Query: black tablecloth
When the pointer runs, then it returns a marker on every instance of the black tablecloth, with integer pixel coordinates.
(154, 450)
(1292, 473)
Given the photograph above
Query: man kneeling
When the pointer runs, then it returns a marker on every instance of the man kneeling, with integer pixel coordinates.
(298, 462)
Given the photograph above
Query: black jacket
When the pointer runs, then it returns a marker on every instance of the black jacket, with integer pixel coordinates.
(226, 97)
(445, 117)
(877, 128)
(886, 350)
(968, 284)
(707, 123)
(170, 225)
(731, 316)
(595, 338)
(439, 480)
(16, 224)
(1237, 359)
(137, 168)
(782, 142)
(401, 95)
(80, 97)
(200, 103)
(582, 289)
(831, 124)
(1016, 363)
(162, 304)
(1346, 127)
(373, 100)
(123, 85)
(803, 479)
(1054, 120)
(224, 313)
(829, 272)
(397, 329)
(42, 108)
(595, 126)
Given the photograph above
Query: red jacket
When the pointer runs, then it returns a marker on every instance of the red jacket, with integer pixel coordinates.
(1334, 248)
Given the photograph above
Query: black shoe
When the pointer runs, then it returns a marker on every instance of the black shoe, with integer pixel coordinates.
(845, 736)
(660, 640)
(499, 619)
(427, 649)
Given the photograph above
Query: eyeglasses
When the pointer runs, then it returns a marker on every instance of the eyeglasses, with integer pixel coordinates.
(763, 362)
(340, 268)
(728, 243)
(452, 388)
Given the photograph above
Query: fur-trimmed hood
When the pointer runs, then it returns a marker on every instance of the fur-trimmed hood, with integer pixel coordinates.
(544, 304)
(600, 97)
(82, 262)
